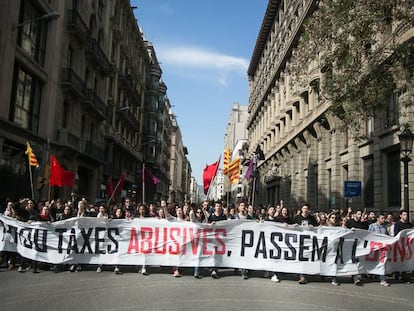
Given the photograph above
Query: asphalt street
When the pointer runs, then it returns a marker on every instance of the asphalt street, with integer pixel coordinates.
(88, 290)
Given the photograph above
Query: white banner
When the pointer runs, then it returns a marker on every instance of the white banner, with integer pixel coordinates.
(233, 244)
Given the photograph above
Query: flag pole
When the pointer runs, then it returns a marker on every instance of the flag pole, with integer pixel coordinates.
(254, 178)
(31, 180)
(143, 182)
(116, 188)
(228, 189)
(50, 171)
(209, 188)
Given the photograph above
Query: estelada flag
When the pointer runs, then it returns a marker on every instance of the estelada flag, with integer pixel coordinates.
(209, 173)
(58, 176)
(31, 156)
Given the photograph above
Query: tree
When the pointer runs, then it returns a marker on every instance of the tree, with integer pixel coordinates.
(362, 57)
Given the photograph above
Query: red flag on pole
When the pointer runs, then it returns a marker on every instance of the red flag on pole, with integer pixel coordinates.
(209, 173)
(58, 176)
(120, 185)
(109, 187)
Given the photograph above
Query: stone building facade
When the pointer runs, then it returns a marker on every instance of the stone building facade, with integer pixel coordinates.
(309, 154)
(80, 82)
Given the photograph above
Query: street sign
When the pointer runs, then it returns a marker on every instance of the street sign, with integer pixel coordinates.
(352, 189)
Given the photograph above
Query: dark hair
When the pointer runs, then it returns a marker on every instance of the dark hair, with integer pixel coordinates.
(306, 204)
(403, 211)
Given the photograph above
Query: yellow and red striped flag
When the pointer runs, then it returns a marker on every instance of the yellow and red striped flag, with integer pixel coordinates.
(233, 171)
(31, 156)
(234, 178)
(226, 161)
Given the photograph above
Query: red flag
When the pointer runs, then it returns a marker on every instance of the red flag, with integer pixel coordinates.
(109, 187)
(209, 173)
(120, 184)
(58, 176)
(148, 178)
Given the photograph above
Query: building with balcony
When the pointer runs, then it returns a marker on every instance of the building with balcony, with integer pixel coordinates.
(180, 168)
(79, 82)
(52, 94)
(309, 154)
(156, 129)
(234, 138)
(130, 64)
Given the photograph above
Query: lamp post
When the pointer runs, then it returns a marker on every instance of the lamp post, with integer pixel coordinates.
(257, 155)
(47, 16)
(406, 138)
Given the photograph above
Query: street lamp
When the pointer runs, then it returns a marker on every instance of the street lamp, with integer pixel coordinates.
(406, 138)
(257, 155)
(47, 16)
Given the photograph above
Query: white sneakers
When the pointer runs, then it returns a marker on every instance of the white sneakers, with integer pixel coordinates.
(117, 271)
(384, 283)
(274, 278)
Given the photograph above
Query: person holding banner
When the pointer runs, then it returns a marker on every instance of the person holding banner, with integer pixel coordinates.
(6, 256)
(400, 225)
(241, 214)
(251, 213)
(179, 217)
(331, 221)
(271, 217)
(119, 214)
(379, 226)
(80, 213)
(103, 215)
(198, 216)
(284, 217)
(356, 223)
(26, 212)
(142, 213)
(307, 220)
(216, 216)
(128, 208)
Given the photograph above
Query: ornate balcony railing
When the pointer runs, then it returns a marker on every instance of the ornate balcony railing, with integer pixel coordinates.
(71, 82)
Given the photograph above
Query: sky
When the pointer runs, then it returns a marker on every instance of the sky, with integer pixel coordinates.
(204, 48)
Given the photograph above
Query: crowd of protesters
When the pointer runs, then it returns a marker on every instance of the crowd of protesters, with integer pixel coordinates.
(27, 210)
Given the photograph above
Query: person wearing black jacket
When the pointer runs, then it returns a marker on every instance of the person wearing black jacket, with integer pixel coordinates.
(356, 223)
(307, 220)
(214, 217)
(26, 211)
(400, 225)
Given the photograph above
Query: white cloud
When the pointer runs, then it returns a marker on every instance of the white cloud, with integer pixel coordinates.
(199, 58)
(207, 64)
